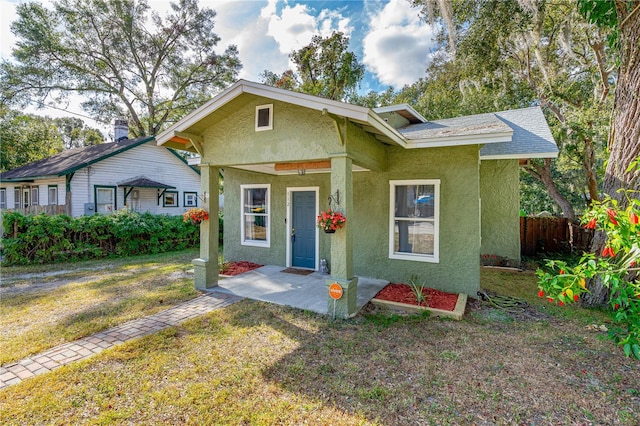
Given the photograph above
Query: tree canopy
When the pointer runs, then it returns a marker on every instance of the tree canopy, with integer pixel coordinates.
(324, 68)
(126, 60)
(26, 138)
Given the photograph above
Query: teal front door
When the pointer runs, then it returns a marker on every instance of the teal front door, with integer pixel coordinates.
(303, 229)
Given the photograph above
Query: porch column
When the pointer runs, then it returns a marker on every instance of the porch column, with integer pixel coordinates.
(342, 240)
(206, 267)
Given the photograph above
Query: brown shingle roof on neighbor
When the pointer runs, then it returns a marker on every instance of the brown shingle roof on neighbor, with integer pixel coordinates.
(71, 160)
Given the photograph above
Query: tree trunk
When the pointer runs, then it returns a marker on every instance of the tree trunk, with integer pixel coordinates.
(543, 174)
(624, 138)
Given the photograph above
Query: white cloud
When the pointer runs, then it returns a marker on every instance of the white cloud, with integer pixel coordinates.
(295, 26)
(398, 46)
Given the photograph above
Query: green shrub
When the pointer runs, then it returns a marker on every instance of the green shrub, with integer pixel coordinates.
(30, 239)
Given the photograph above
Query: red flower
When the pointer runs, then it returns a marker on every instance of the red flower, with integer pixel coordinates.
(616, 306)
(561, 303)
(592, 224)
(612, 216)
(541, 293)
(576, 297)
(608, 251)
(633, 218)
(561, 271)
(550, 299)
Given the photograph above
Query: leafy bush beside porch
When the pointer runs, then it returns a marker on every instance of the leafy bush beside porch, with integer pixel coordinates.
(31, 239)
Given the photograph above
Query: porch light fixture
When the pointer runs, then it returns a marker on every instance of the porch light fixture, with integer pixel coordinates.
(302, 172)
(335, 198)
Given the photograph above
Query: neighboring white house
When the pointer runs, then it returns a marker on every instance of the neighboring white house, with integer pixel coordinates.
(137, 174)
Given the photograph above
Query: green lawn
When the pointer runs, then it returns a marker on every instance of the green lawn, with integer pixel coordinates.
(78, 300)
(261, 364)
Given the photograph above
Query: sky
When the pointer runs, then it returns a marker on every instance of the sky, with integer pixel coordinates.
(386, 35)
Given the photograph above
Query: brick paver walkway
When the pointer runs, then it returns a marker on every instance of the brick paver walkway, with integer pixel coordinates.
(80, 349)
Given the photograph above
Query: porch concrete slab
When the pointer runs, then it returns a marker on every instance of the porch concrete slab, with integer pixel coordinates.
(309, 292)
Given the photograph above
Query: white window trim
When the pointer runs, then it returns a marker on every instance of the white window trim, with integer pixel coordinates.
(270, 125)
(243, 240)
(416, 257)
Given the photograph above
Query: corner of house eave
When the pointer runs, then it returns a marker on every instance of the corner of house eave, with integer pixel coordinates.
(446, 141)
(389, 131)
(552, 155)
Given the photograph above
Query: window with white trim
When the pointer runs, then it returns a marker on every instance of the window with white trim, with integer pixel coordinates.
(414, 220)
(53, 195)
(264, 117)
(3, 198)
(255, 215)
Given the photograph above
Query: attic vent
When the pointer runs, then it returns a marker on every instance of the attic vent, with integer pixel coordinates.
(264, 117)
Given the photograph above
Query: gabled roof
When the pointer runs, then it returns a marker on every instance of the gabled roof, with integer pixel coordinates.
(522, 133)
(178, 135)
(71, 160)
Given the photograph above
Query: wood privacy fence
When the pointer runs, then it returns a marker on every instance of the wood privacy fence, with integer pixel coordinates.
(552, 235)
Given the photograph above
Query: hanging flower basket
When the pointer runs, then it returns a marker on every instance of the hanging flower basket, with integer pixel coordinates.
(195, 215)
(329, 221)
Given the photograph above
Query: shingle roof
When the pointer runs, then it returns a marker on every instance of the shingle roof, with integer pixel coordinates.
(532, 137)
(144, 182)
(530, 134)
(458, 126)
(71, 160)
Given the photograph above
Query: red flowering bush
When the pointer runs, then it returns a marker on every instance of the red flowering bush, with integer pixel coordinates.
(616, 266)
(330, 220)
(195, 215)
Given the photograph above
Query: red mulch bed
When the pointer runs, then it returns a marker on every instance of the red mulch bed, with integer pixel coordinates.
(237, 268)
(434, 298)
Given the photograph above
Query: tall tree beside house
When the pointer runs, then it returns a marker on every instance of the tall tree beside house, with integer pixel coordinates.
(623, 19)
(25, 138)
(126, 60)
(325, 67)
(509, 52)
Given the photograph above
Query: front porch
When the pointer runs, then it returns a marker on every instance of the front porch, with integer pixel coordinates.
(270, 284)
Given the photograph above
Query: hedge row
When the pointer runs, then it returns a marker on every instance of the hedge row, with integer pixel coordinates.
(30, 239)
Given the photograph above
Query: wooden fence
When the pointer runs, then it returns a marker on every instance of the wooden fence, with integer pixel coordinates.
(552, 235)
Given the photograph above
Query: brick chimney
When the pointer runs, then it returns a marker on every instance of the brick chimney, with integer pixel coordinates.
(120, 130)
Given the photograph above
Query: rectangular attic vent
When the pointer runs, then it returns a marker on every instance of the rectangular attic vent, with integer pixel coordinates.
(264, 117)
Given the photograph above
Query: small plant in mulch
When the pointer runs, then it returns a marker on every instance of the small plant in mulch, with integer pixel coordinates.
(403, 293)
(417, 287)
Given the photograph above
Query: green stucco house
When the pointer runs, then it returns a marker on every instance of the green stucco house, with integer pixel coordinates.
(420, 197)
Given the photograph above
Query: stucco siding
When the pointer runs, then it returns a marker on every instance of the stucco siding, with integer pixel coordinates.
(500, 195)
(457, 169)
(458, 267)
(298, 134)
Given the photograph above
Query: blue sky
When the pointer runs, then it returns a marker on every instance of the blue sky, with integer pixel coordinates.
(387, 35)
